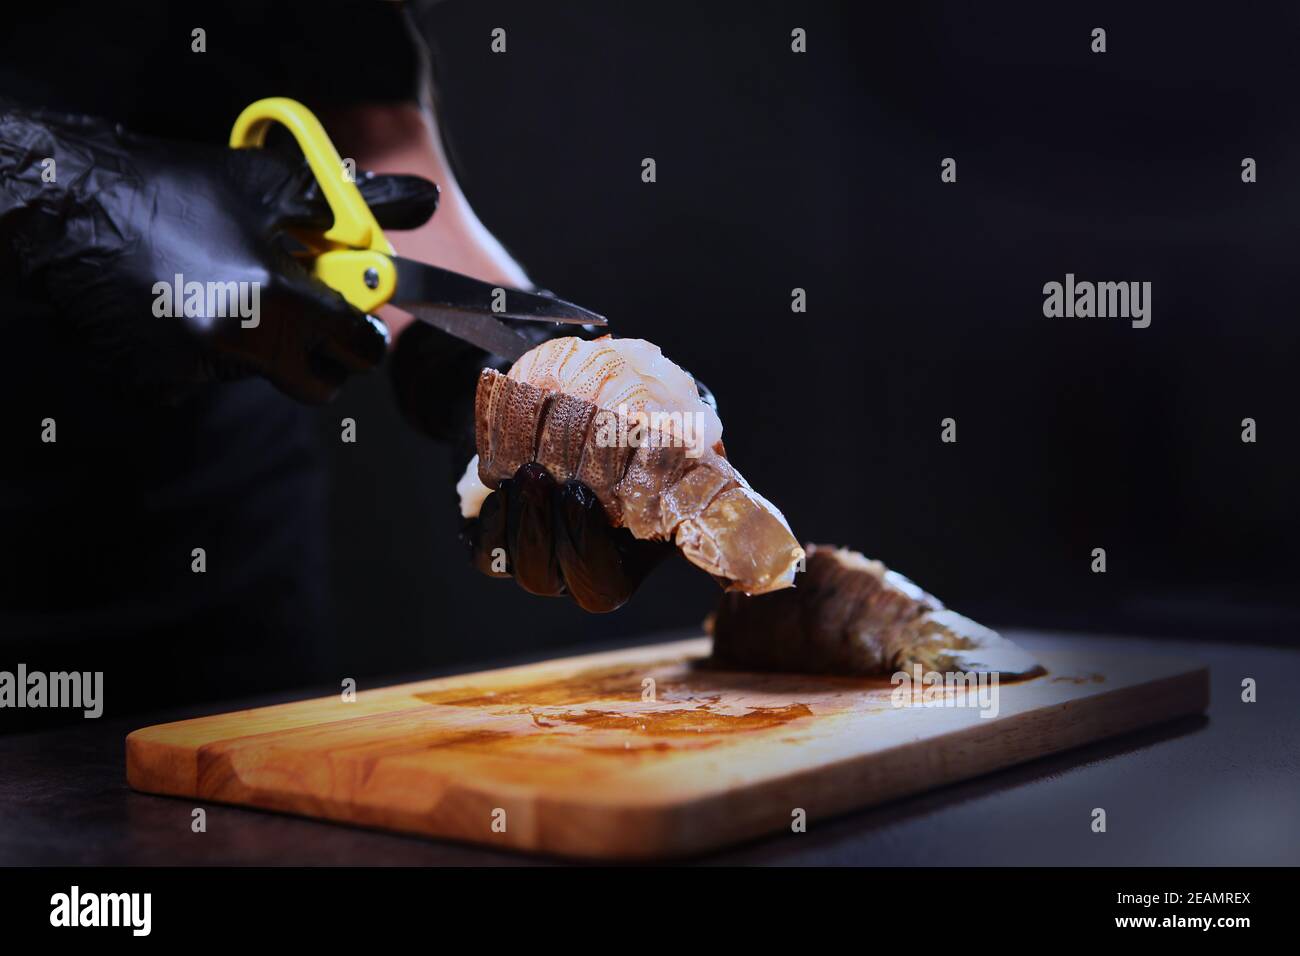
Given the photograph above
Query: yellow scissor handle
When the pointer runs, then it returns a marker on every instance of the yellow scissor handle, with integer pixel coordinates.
(357, 257)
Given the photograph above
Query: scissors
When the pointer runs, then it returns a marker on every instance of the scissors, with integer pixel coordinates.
(355, 258)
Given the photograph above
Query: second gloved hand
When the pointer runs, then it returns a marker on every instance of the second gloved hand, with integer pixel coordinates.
(555, 539)
(102, 223)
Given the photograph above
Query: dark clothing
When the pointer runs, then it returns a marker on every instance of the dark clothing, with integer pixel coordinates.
(98, 528)
(135, 61)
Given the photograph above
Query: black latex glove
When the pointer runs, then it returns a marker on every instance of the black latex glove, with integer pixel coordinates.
(555, 539)
(126, 212)
(551, 539)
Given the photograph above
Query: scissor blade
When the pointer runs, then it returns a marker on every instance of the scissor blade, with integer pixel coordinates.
(419, 282)
(474, 327)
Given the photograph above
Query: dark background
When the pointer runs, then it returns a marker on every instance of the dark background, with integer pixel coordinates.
(821, 170)
(775, 170)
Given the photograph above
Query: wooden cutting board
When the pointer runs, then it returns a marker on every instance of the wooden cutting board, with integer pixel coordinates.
(638, 753)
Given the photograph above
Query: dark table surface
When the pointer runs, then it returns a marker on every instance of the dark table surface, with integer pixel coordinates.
(1223, 789)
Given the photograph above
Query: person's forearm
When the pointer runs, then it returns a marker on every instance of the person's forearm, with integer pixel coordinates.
(392, 138)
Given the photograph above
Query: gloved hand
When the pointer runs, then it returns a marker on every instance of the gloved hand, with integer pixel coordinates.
(556, 539)
(552, 539)
(104, 232)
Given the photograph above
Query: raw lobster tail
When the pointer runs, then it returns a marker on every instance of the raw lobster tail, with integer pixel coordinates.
(853, 616)
(628, 423)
